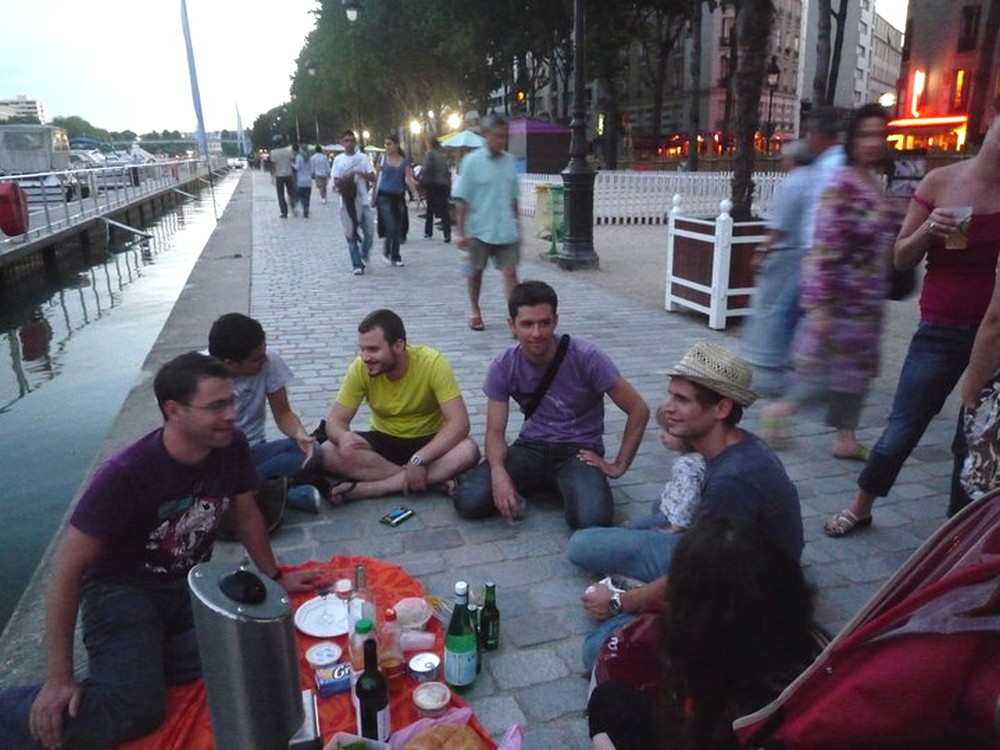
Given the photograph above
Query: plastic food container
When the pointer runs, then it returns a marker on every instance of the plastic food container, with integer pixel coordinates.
(341, 739)
(424, 667)
(324, 654)
(431, 699)
(413, 613)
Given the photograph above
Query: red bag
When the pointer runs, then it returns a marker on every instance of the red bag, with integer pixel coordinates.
(632, 653)
(13, 209)
(918, 668)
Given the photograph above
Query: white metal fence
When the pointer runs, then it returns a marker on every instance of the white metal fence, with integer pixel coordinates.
(628, 197)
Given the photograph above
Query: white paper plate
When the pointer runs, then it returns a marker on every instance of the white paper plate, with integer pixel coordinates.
(312, 617)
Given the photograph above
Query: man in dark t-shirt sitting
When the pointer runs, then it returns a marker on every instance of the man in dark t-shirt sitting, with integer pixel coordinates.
(744, 479)
(147, 517)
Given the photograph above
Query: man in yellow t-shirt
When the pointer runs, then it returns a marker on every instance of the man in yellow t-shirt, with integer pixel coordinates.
(419, 435)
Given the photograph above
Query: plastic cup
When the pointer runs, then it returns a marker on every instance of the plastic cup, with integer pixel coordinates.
(958, 238)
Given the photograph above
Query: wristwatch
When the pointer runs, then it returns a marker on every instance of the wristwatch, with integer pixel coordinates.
(616, 603)
(416, 460)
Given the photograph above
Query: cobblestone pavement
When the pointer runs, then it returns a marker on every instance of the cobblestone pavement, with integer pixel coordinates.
(302, 290)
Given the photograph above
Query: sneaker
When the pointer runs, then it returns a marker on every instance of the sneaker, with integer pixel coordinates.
(387, 260)
(323, 201)
(359, 272)
(398, 263)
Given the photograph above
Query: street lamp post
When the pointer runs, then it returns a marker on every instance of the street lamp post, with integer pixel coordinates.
(577, 250)
(311, 70)
(773, 74)
(351, 11)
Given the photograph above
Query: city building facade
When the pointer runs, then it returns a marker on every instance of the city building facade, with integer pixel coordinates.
(22, 106)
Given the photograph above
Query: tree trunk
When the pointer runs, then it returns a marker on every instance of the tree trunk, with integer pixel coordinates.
(753, 27)
(694, 113)
(981, 81)
(822, 54)
(838, 48)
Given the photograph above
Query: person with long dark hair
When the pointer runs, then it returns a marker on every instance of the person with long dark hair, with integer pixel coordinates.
(395, 174)
(843, 289)
(736, 630)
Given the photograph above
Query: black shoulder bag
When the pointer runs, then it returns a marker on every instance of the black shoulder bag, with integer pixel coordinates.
(550, 373)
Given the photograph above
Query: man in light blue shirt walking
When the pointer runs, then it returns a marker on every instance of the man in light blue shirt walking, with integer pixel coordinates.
(486, 213)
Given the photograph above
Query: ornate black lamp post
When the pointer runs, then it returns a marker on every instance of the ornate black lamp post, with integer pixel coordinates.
(773, 74)
(351, 11)
(577, 250)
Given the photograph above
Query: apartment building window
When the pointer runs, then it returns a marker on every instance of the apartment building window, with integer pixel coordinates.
(970, 28)
(958, 101)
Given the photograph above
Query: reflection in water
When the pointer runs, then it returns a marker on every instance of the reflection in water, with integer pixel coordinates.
(82, 299)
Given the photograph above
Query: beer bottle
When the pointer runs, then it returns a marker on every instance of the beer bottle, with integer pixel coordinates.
(460, 642)
(373, 698)
(362, 603)
(489, 619)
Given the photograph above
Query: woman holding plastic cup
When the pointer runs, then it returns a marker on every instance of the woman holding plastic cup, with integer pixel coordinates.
(957, 287)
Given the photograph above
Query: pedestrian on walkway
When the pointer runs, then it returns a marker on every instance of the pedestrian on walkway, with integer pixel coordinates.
(260, 379)
(435, 180)
(353, 173)
(148, 516)
(766, 340)
(419, 435)
(320, 163)
(486, 213)
(560, 385)
(837, 349)
(281, 159)
(956, 292)
(303, 178)
(394, 175)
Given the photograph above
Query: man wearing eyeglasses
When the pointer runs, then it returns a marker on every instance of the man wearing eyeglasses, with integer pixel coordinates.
(147, 517)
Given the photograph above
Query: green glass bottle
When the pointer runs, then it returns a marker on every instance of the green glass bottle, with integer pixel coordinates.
(489, 619)
(460, 643)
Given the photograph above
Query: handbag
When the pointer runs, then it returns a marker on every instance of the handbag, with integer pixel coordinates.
(981, 472)
(543, 385)
(632, 653)
(902, 284)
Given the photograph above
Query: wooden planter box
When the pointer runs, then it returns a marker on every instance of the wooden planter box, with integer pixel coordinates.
(709, 264)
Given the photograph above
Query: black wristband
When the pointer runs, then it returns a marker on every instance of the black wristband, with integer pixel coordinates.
(277, 576)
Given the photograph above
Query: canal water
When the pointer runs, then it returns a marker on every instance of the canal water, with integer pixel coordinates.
(71, 352)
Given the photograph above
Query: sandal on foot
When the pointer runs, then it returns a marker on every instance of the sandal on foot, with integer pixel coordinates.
(476, 324)
(844, 523)
(338, 496)
(860, 453)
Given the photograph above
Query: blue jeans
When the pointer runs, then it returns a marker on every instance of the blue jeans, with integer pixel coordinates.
(767, 337)
(139, 638)
(359, 254)
(283, 458)
(304, 194)
(390, 209)
(638, 553)
(937, 357)
(537, 466)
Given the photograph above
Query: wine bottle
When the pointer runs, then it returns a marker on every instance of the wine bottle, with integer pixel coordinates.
(489, 620)
(460, 642)
(373, 698)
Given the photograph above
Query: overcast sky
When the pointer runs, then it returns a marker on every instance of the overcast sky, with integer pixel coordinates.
(120, 64)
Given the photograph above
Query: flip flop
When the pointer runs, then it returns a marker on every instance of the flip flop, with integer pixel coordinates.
(844, 523)
(476, 324)
(340, 498)
(860, 453)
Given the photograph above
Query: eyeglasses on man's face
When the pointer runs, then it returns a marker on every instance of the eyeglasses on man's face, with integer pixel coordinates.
(216, 407)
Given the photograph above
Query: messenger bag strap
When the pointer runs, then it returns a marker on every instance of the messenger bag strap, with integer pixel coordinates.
(550, 373)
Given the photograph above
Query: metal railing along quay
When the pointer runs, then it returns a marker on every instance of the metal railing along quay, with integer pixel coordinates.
(63, 203)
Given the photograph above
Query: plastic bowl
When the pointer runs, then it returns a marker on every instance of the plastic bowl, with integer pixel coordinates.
(413, 613)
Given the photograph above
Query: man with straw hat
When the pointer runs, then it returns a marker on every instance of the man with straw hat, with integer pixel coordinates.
(708, 390)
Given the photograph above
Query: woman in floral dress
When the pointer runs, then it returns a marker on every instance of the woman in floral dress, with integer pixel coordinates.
(843, 288)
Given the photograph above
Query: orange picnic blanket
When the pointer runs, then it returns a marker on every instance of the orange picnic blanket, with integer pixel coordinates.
(188, 727)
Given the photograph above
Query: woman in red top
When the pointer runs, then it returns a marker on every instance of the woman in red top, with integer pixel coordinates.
(956, 292)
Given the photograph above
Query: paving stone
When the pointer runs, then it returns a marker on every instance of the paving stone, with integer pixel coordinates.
(527, 667)
(544, 703)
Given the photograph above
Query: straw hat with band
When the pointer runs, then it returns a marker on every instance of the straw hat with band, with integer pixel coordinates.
(719, 370)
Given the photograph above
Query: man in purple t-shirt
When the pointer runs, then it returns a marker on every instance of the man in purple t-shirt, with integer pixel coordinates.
(561, 443)
(148, 516)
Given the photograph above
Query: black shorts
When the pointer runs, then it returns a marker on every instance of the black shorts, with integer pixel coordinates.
(395, 449)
